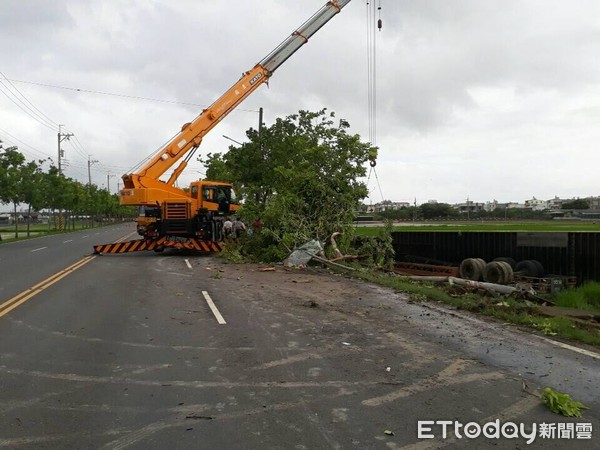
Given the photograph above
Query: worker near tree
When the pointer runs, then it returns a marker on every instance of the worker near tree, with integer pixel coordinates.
(238, 228)
(227, 227)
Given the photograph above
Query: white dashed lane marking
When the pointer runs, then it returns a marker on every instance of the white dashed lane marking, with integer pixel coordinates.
(213, 308)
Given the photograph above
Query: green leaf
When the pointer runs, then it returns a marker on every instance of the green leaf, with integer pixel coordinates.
(560, 403)
(301, 177)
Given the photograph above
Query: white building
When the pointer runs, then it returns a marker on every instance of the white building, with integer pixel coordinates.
(469, 207)
(490, 206)
(388, 205)
(536, 204)
(556, 203)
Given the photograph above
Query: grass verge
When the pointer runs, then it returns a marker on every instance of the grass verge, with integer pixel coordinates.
(43, 230)
(506, 309)
(586, 297)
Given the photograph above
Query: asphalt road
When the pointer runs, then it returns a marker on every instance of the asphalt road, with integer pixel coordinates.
(127, 351)
(25, 263)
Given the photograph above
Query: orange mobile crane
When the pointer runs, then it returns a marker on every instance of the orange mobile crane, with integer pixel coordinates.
(192, 219)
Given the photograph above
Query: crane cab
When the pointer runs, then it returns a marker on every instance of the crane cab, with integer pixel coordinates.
(213, 196)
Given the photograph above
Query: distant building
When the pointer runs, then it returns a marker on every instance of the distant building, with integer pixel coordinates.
(594, 202)
(510, 205)
(556, 203)
(536, 204)
(533, 204)
(388, 205)
(469, 207)
(490, 206)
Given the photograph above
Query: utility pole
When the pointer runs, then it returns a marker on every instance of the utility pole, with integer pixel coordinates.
(90, 162)
(108, 175)
(260, 120)
(468, 209)
(415, 213)
(61, 137)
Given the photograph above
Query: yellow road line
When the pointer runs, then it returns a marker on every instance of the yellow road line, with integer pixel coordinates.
(133, 233)
(21, 298)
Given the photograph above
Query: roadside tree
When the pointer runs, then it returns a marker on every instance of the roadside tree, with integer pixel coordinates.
(300, 177)
(438, 211)
(579, 203)
(31, 186)
(11, 179)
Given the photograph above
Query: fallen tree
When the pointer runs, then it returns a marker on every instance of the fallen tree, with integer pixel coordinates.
(301, 178)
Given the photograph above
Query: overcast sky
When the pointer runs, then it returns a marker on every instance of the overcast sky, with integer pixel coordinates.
(476, 98)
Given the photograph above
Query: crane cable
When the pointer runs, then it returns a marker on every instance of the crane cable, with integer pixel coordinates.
(374, 23)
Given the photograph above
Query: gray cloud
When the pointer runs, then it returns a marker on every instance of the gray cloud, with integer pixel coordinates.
(469, 91)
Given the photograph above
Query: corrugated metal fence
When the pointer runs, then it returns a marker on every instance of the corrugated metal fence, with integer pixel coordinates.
(570, 254)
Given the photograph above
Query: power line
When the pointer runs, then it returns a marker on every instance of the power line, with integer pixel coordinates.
(77, 149)
(134, 97)
(14, 138)
(27, 106)
(72, 166)
(24, 107)
(30, 103)
(30, 109)
(22, 102)
(72, 169)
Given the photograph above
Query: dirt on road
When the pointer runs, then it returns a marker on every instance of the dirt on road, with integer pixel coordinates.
(436, 361)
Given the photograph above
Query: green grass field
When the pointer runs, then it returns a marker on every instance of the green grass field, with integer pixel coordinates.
(508, 310)
(531, 226)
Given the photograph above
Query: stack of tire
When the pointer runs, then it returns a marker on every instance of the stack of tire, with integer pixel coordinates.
(500, 270)
(472, 269)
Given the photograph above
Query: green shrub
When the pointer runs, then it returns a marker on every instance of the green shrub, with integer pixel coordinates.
(586, 297)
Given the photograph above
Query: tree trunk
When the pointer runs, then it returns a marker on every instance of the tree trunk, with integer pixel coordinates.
(28, 220)
(16, 221)
(334, 246)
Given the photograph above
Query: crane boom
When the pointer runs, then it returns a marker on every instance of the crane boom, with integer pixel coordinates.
(193, 218)
(192, 133)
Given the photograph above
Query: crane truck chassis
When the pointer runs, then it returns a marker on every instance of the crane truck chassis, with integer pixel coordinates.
(192, 219)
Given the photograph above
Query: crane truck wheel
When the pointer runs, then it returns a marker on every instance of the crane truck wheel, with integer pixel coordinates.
(159, 249)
